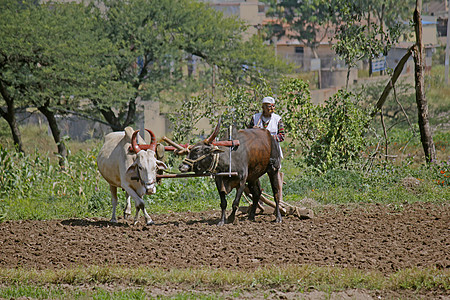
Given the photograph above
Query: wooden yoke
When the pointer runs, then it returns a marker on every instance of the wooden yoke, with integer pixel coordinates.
(233, 143)
(184, 148)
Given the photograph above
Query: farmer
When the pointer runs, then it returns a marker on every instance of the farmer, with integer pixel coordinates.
(269, 120)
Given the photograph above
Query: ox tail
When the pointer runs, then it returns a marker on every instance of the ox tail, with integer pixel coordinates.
(275, 154)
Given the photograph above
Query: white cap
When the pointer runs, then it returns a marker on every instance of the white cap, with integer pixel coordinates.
(268, 100)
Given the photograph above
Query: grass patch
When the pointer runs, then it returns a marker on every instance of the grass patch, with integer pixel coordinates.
(139, 281)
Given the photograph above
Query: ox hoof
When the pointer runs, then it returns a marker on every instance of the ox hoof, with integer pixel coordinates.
(113, 221)
(150, 223)
(221, 223)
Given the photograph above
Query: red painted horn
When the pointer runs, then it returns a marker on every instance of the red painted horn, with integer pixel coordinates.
(134, 143)
(214, 134)
(136, 146)
(152, 141)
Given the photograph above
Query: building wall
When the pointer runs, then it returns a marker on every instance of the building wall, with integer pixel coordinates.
(250, 11)
(153, 119)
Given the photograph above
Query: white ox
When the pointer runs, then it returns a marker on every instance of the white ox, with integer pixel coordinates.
(130, 168)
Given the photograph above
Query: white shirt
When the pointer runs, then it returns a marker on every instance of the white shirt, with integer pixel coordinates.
(259, 120)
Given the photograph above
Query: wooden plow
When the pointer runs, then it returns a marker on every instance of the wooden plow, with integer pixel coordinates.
(285, 208)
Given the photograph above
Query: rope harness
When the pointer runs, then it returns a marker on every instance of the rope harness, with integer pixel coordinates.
(214, 162)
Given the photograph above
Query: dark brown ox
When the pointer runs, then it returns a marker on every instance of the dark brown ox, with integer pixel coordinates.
(257, 154)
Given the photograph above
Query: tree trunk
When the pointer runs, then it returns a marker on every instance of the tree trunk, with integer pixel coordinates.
(368, 31)
(62, 151)
(397, 71)
(115, 122)
(10, 117)
(422, 105)
(348, 77)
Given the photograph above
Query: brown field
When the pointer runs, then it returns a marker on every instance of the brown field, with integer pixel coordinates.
(381, 238)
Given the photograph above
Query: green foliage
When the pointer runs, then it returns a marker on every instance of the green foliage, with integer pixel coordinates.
(399, 108)
(331, 135)
(166, 37)
(34, 187)
(302, 22)
(301, 118)
(185, 118)
(99, 62)
(34, 59)
(359, 38)
(353, 44)
(185, 194)
(235, 105)
(342, 138)
(385, 182)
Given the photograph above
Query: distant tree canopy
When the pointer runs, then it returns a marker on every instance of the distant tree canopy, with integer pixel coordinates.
(49, 59)
(367, 28)
(54, 55)
(169, 48)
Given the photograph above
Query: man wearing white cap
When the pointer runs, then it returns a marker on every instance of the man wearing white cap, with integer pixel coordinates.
(269, 120)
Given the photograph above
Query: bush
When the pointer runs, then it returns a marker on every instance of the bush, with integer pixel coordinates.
(330, 136)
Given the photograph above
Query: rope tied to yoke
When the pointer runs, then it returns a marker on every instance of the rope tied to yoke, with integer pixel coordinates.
(214, 162)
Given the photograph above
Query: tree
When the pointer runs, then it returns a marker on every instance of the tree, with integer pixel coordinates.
(385, 16)
(156, 42)
(64, 54)
(16, 57)
(308, 21)
(422, 105)
(353, 45)
(52, 60)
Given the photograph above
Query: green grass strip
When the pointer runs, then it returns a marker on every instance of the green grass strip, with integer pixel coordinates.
(303, 277)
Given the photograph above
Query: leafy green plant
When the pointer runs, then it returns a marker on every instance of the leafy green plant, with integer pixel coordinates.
(342, 138)
(332, 135)
(234, 104)
(300, 116)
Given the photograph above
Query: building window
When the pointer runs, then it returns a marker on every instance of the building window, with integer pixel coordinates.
(261, 8)
(299, 50)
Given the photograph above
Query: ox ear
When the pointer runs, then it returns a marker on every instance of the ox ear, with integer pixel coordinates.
(132, 171)
(161, 165)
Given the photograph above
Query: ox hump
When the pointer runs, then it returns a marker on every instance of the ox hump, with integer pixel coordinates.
(128, 133)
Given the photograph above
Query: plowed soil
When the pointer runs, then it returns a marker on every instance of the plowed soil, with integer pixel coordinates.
(385, 238)
(374, 237)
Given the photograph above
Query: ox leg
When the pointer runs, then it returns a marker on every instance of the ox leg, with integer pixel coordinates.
(140, 205)
(127, 211)
(113, 190)
(148, 219)
(223, 206)
(276, 183)
(255, 189)
(236, 201)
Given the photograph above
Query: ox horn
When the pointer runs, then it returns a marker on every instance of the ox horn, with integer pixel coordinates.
(134, 143)
(214, 134)
(152, 141)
